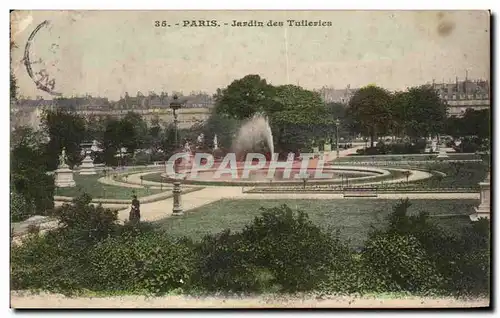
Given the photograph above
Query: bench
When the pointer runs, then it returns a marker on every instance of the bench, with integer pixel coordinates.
(360, 192)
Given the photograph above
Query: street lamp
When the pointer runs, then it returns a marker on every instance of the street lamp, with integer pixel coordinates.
(337, 123)
(175, 105)
(176, 191)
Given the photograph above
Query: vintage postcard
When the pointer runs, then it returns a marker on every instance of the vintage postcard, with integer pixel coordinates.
(250, 159)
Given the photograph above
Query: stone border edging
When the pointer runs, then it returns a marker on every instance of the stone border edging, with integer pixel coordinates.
(151, 198)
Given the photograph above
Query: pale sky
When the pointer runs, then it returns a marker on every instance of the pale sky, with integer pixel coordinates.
(108, 53)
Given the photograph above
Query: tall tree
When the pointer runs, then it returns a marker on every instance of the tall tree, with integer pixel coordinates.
(154, 135)
(370, 108)
(134, 131)
(473, 123)
(423, 112)
(399, 114)
(95, 127)
(28, 173)
(244, 97)
(111, 141)
(65, 130)
(298, 116)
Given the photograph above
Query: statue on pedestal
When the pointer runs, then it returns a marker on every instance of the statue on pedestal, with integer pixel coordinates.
(62, 158)
(87, 166)
(64, 175)
(216, 144)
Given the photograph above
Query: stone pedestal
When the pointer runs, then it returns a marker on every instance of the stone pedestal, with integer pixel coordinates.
(87, 167)
(442, 154)
(64, 177)
(484, 209)
(327, 147)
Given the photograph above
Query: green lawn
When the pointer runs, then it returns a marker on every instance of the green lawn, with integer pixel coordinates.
(353, 216)
(458, 174)
(90, 185)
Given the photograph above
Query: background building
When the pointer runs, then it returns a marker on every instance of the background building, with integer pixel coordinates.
(464, 94)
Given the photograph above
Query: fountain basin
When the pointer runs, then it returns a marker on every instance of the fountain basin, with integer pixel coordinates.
(235, 176)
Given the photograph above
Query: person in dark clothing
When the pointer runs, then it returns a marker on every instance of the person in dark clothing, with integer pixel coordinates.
(135, 212)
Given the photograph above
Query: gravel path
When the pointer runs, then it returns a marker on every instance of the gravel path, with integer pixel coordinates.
(20, 300)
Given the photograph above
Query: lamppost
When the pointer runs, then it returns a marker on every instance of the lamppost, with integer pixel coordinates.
(176, 191)
(337, 123)
(175, 105)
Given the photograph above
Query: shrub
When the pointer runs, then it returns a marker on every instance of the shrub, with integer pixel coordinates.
(224, 263)
(92, 222)
(48, 263)
(151, 262)
(20, 208)
(296, 252)
(399, 263)
(471, 266)
(462, 261)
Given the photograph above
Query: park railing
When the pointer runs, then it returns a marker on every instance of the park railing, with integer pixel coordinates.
(356, 192)
(352, 190)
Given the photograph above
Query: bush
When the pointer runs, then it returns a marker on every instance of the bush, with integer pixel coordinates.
(20, 208)
(394, 148)
(50, 262)
(152, 262)
(225, 263)
(399, 263)
(296, 252)
(92, 222)
(281, 250)
(470, 274)
(462, 261)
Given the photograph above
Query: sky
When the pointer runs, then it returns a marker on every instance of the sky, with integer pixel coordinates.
(108, 53)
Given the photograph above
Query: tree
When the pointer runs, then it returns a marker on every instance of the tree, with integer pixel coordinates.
(133, 131)
(339, 111)
(65, 130)
(30, 183)
(297, 116)
(244, 97)
(370, 108)
(167, 141)
(94, 127)
(398, 113)
(111, 141)
(154, 134)
(475, 123)
(421, 111)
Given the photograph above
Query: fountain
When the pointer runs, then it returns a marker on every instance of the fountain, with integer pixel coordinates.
(255, 137)
(252, 134)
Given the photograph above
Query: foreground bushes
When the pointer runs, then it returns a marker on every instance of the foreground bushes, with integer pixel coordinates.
(151, 262)
(280, 251)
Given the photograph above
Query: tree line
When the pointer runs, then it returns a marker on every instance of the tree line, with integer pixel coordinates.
(298, 118)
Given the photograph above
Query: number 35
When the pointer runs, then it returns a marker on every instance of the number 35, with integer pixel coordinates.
(160, 23)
